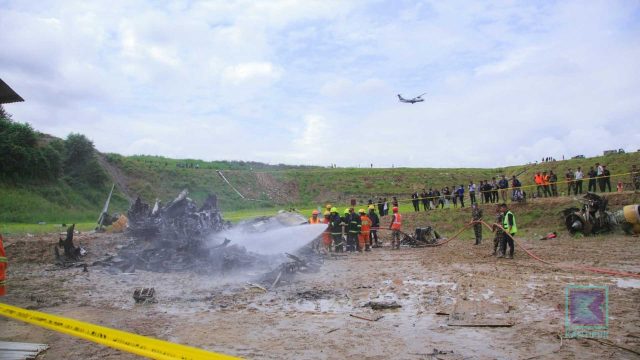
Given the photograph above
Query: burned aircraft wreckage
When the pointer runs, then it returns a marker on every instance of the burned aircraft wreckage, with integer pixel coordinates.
(178, 237)
(594, 217)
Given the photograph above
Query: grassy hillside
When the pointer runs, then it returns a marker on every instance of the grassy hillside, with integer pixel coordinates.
(308, 187)
(269, 186)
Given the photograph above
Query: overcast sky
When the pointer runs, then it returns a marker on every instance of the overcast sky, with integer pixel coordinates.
(315, 82)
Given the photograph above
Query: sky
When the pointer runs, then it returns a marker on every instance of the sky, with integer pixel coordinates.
(315, 82)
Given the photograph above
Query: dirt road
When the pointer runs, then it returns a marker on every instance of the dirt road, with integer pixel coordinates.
(311, 319)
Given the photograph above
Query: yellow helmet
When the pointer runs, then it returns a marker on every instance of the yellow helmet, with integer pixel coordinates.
(327, 213)
(361, 211)
(346, 211)
(334, 209)
(315, 212)
(371, 207)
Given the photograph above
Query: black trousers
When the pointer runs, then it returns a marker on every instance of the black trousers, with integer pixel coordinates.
(601, 184)
(462, 200)
(416, 205)
(607, 183)
(425, 204)
(507, 241)
(487, 197)
(477, 230)
(373, 236)
(578, 187)
(352, 241)
(547, 192)
(592, 185)
(472, 195)
(338, 242)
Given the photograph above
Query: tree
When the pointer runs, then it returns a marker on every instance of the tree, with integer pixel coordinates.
(80, 163)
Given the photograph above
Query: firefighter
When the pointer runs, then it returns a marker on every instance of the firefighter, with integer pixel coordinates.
(354, 225)
(365, 228)
(326, 235)
(3, 268)
(335, 226)
(314, 217)
(375, 224)
(395, 226)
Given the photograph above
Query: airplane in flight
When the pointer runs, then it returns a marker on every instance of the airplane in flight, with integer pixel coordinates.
(411, 101)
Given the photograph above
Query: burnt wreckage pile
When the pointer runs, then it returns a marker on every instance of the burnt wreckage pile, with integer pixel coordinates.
(178, 237)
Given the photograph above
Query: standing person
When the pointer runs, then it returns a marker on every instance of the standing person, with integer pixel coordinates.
(454, 196)
(553, 181)
(578, 184)
(3, 268)
(538, 180)
(364, 241)
(592, 179)
(503, 185)
(396, 226)
(485, 192)
(476, 215)
(430, 196)
(314, 217)
(326, 235)
(472, 192)
(517, 191)
(335, 226)
(461, 195)
(497, 228)
(425, 200)
(600, 176)
(510, 228)
(635, 178)
(494, 190)
(606, 175)
(385, 208)
(545, 184)
(568, 177)
(447, 195)
(395, 202)
(415, 200)
(354, 225)
(440, 198)
(375, 224)
(380, 206)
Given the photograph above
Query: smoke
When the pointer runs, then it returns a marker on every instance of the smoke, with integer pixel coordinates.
(272, 241)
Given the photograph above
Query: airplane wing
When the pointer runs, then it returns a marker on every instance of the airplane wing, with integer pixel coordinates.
(421, 95)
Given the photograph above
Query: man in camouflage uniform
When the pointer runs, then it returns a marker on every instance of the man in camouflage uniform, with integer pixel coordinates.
(497, 228)
(476, 215)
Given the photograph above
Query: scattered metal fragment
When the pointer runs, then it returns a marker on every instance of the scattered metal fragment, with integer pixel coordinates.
(364, 318)
(144, 295)
(382, 305)
(20, 351)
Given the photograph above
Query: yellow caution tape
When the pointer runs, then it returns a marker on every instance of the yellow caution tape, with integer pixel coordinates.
(135, 344)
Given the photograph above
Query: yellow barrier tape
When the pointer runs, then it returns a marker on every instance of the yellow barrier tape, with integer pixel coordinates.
(132, 343)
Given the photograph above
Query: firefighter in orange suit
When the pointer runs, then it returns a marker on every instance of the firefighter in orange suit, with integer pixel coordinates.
(363, 239)
(3, 268)
(396, 226)
(314, 217)
(326, 235)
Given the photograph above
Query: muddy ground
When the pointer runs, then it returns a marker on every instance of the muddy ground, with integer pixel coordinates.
(311, 319)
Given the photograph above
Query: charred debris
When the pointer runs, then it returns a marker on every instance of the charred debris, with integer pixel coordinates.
(178, 237)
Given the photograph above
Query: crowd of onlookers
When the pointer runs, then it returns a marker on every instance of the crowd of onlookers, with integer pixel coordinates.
(547, 184)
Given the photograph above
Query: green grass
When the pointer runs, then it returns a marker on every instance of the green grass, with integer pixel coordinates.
(304, 188)
(37, 229)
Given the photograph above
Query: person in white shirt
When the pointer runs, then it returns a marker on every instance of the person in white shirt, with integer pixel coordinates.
(577, 188)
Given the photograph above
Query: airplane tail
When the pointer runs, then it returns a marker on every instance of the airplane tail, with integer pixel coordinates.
(400, 97)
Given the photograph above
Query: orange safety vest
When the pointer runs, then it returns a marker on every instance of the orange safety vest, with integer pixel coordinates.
(3, 267)
(545, 180)
(397, 222)
(538, 179)
(366, 224)
(316, 221)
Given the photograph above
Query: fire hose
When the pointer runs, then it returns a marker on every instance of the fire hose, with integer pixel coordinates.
(528, 252)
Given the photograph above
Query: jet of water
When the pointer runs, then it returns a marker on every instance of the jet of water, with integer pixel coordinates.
(273, 241)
